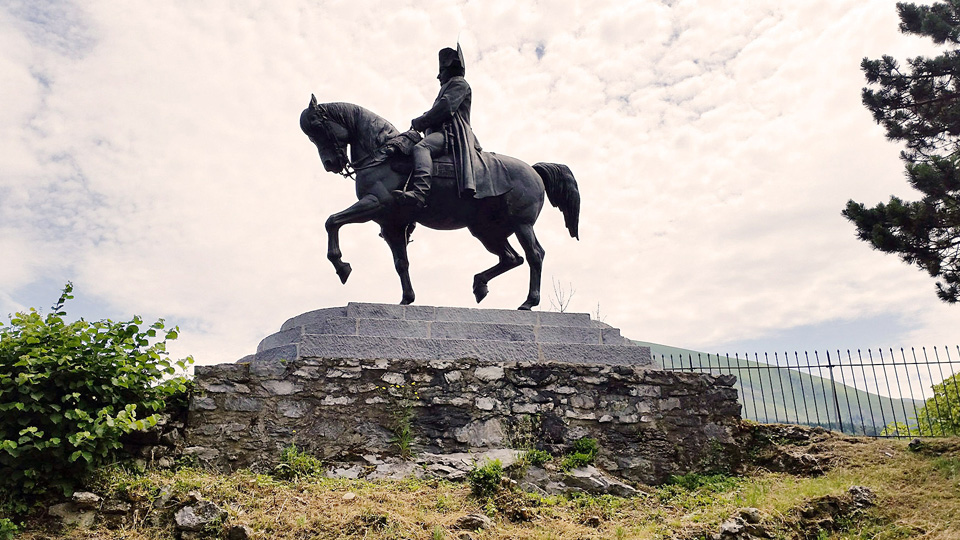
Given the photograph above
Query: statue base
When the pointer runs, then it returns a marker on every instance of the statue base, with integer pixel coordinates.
(346, 383)
(371, 331)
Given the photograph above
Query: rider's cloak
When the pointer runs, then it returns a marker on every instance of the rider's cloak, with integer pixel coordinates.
(478, 173)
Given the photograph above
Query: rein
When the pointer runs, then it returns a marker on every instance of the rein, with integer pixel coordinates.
(349, 169)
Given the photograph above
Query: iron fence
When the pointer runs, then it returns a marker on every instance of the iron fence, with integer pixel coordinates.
(901, 393)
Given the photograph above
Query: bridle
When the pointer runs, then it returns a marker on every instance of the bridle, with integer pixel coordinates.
(339, 147)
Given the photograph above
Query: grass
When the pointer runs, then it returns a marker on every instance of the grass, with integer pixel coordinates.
(918, 497)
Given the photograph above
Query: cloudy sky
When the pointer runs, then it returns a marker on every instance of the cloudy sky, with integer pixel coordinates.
(150, 153)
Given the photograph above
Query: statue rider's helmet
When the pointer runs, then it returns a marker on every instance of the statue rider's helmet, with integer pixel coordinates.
(451, 62)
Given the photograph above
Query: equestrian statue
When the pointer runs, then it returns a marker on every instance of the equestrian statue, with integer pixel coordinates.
(442, 180)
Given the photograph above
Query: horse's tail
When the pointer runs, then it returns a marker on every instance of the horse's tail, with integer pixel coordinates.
(562, 192)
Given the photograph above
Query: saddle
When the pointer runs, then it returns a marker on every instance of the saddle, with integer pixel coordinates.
(399, 148)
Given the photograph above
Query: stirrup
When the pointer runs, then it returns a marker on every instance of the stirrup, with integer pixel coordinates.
(406, 198)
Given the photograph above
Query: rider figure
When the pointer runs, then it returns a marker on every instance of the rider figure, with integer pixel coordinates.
(448, 118)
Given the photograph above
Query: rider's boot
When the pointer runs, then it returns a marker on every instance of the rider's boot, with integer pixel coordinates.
(417, 193)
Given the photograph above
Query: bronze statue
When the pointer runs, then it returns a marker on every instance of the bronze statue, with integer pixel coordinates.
(445, 125)
(496, 196)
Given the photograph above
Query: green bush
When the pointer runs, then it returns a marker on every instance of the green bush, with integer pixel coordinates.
(295, 464)
(68, 391)
(584, 452)
(485, 479)
(8, 529)
(536, 457)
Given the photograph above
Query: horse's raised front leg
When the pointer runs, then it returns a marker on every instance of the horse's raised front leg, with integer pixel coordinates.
(396, 237)
(362, 211)
(534, 252)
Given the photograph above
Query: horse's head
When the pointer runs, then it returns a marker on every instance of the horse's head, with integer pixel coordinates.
(330, 138)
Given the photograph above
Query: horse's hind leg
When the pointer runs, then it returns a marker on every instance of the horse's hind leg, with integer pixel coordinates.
(509, 259)
(534, 251)
(396, 237)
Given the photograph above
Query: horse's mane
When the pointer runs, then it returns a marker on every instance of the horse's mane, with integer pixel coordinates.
(370, 129)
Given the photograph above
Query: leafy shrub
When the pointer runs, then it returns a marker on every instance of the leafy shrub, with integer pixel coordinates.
(485, 479)
(587, 446)
(711, 482)
(68, 391)
(584, 452)
(695, 490)
(536, 457)
(295, 464)
(8, 529)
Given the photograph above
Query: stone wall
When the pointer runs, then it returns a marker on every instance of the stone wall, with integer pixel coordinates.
(649, 423)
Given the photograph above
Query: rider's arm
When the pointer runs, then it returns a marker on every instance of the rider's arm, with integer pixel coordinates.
(453, 94)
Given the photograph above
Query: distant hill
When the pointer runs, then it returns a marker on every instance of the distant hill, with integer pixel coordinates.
(776, 393)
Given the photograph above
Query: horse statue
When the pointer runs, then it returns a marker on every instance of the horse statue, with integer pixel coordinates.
(378, 170)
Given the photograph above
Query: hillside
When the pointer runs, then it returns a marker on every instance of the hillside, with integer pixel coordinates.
(772, 393)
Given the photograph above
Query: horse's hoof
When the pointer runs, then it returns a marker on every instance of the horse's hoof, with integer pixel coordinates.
(528, 305)
(407, 300)
(480, 292)
(344, 272)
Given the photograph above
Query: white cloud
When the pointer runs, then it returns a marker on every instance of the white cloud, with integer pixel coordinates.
(152, 155)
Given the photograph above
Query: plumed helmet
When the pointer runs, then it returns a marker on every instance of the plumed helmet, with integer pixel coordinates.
(452, 57)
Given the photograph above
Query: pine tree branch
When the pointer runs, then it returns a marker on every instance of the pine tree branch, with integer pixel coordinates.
(927, 102)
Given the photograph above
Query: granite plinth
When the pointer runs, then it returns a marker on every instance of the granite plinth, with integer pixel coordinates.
(370, 331)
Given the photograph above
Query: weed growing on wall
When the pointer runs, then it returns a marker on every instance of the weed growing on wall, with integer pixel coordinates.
(584, 452)
(405, 397)
(536, 457)
(69, 390)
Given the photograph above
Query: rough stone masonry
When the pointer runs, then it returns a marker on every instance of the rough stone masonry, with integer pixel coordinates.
(649, 423)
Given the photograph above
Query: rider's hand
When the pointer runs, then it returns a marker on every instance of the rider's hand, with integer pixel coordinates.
(417, 124)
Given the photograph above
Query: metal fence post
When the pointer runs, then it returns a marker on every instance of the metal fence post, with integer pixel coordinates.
(833, 383)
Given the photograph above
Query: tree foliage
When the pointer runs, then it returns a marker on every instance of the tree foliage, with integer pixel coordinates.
(920, 105)
(939, 416)
(69, 390)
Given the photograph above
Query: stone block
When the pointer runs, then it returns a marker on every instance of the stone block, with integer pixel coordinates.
(222, 388)
(286, 352)
(281, 388)
(338, 326)
(359, 310)
(292, 408)
(420, 313)
(587, 354)
(501, 316)
(553, 318)
(198, 403)
(482, 331)
(568, 334)
(393, 328)
(232, 372)
(314, 317)
(481, 433)
(281, 338)
(611, 336)
(365, 347)
(342, 400)
(486, 403)
(393, 378)
(268, 370)
(489, 373)
(243, 404)
(645, 390)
